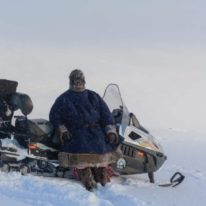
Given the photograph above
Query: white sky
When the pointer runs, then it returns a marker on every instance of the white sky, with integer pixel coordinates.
(155, 51)
(110, 23)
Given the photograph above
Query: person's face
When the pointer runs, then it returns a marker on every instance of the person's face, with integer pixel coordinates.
(78, 85)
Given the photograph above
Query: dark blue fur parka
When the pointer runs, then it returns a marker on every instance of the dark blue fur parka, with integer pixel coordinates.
(85, 115)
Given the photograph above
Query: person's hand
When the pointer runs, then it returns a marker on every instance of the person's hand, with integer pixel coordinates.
(8, 112)
(63, 134)
(112, 138)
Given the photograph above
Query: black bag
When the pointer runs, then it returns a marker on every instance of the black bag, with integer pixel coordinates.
(7, 87)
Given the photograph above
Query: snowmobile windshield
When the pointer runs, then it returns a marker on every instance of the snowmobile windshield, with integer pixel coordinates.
(113, 98)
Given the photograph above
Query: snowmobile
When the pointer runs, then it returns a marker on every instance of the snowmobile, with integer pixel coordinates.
(31, 146)
(142, 152)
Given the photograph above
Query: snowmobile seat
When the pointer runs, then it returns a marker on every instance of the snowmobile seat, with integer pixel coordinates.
(36, 130)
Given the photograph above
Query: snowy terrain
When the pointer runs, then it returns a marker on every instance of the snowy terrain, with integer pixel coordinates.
(169, 102)
(185, 154)
(185, 149)
(154, 50)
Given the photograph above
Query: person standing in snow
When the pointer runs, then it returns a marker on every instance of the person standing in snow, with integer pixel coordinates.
(86, 130)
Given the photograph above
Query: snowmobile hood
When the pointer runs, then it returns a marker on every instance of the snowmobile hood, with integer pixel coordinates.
(140, 138)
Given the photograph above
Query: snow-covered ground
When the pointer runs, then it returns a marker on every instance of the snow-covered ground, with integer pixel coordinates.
(183, 145)
(185, 153)
(169, 102)
(154, 50)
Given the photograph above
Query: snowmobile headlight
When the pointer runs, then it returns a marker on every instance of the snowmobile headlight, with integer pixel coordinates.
(140, 154)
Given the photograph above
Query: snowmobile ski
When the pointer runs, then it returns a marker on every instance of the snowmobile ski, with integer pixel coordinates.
(175, 180)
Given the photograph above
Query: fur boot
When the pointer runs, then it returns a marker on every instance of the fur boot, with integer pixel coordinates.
(87, 179)
(100, 175)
